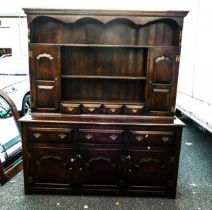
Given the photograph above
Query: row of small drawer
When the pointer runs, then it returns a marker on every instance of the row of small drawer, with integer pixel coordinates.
(71, 108)
(154, 138)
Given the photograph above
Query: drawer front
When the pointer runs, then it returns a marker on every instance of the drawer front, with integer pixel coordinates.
(112, 109)
(133, 109)
(100, 136)
(50, 134)
(91, 108)
(70, 108)
(152, 138)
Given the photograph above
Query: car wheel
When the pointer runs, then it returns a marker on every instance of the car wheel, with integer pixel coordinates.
(26, 108)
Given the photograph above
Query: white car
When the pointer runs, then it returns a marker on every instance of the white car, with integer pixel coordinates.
(14, 80)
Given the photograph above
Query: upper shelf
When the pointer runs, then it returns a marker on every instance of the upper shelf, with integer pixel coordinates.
(122, 31)
(100, 45)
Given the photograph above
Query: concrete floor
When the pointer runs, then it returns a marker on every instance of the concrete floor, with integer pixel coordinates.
(194, 190)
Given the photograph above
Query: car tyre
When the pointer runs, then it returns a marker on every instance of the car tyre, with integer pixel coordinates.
(26, 106)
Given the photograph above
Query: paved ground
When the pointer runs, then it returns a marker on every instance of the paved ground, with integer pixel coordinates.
(194, 190)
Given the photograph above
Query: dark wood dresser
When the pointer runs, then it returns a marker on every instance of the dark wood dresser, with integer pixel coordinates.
(103, 91)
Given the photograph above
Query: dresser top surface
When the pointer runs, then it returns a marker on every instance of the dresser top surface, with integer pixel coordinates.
(160, 13)
(102, 119)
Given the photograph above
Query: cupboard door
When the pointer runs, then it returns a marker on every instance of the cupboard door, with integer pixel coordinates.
(51, 167)
(147, 170)
(44, 70)
(99, 169)
(162, 80)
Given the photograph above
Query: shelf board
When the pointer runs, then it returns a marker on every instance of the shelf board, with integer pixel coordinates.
(109, 102)
(102, 45)
(103, 77)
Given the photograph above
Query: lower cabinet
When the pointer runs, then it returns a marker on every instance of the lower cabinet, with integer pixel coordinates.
(67, 163)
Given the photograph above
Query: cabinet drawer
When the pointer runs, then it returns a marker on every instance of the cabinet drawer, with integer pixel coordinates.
(152, 138)
(91, 108)
(100, 136)
(112, 109)
(50, 134)
(133, 109)
(70, 108)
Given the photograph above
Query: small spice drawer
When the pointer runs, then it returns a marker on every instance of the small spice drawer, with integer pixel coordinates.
(100, 136)
(133, 109)
(50, 134)
(152, 138)
(112, 109)
(67, 108)
(91, 108)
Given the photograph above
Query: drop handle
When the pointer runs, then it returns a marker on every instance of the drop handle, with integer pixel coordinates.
(165, 138)
(113, 109)
(89, 136)
(70, 108)
(91, 109)
(113, 137)
(37, 135)
(62, 135)
(139, 138)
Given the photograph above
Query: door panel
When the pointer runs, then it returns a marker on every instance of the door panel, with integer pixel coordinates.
(45, 70)
(100, 168)
(146, 168)
(52, 167)
(162, 80)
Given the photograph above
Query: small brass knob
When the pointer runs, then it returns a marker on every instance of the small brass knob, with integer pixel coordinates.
(72, 160)
(79, 156)
(148, 148)
(146, 136)
(128, 157)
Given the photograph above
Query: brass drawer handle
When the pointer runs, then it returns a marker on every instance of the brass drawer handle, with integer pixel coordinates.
(70, 108)
(165, 138)
(89, 136)
(62, 135)
(134, 110)
(139, 138)
(36, 135)
(91, 109)
(113, 137)
(113, 109)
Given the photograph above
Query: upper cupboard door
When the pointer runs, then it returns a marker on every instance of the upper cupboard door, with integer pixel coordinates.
(44, 70)
(162, 80)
